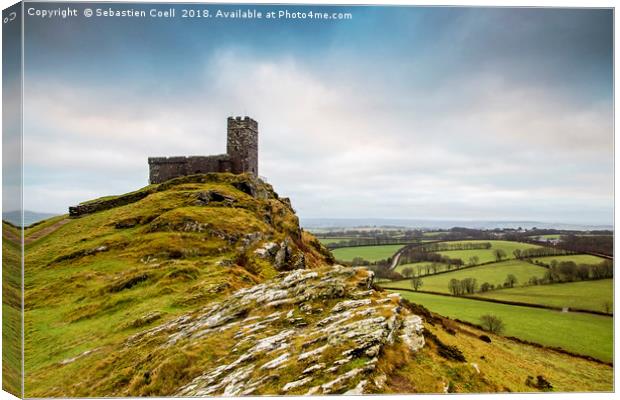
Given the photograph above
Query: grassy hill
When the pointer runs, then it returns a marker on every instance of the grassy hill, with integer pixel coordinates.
(206, 285)
(91, 282)
(11, 309)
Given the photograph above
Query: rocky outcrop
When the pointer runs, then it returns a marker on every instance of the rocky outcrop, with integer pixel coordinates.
(284, 256)
(303, 332)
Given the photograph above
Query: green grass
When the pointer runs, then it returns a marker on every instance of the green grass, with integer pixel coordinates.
(76, 298)
(331, 240)
(576, 332)
(434, 234)
(369, 253)
(492, 273)
(43, 224)
(486, 255)
(551, 236)
(577, 258)
(11, 313)
(588, 295)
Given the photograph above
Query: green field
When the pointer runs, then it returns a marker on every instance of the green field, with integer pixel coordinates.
(492, 273)
(422, 264)
(587, 295)
(434, 234)
(576, 332)
(334, 240)
(548, 237)
(577, 258)
(486, 255)
(369, 253)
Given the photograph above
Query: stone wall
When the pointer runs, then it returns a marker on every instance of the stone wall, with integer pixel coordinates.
(162, 169)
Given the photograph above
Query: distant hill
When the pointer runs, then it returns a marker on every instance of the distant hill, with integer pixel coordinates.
(30, 217)
(314, 223)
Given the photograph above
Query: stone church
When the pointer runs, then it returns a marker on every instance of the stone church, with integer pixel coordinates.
(241, 155)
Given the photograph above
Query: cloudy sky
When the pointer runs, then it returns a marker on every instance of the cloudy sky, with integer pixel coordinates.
(430, 113)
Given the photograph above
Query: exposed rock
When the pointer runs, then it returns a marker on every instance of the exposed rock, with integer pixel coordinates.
(412, 332)
(287, 258)
(295, 384)
(144, 320)
(312, 353)
(359, 389)
(380, 380)
(339, 382)
(204, 198)
(72, 359)
(267, 250)
(346, 305)
(338, 327)
(313, 368)
(276, 362)
(476, 367)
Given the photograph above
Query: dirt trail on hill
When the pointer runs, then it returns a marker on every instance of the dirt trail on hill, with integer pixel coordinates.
(45, 231)
(11, 236)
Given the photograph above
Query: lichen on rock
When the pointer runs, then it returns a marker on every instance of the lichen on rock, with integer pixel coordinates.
(335, 348)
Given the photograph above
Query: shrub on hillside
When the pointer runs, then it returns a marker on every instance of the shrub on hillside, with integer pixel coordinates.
(492, 323)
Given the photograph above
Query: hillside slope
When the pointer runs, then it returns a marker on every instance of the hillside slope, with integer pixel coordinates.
(206, 285)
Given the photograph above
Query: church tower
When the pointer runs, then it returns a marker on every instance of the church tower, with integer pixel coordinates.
(242, 145)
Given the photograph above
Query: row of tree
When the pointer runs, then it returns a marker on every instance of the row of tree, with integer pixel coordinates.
(372, 241)
(451, 246)
(414, 255)
(521, 254)
(569, 271)
(464, 286)
(470, 285)
(588, 244)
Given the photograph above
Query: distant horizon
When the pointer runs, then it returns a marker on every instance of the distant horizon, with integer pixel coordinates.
(322, 222)
(418, 223)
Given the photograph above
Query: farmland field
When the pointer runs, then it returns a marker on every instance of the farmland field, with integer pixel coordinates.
(486, 255)
(421, 264)
(492, 273)
(369, 253)
(587, 295)
(577, 258)
(576, 332)
(334, 239)
(434, 234)
(547, 237)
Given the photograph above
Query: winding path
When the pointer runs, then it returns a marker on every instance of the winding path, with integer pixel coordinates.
(46, 231)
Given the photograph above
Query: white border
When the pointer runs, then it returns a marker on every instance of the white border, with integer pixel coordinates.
(462, 3)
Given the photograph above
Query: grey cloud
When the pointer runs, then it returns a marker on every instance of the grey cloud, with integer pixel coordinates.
(483, 148)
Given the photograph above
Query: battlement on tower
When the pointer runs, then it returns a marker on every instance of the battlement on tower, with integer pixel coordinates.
(241, 155)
